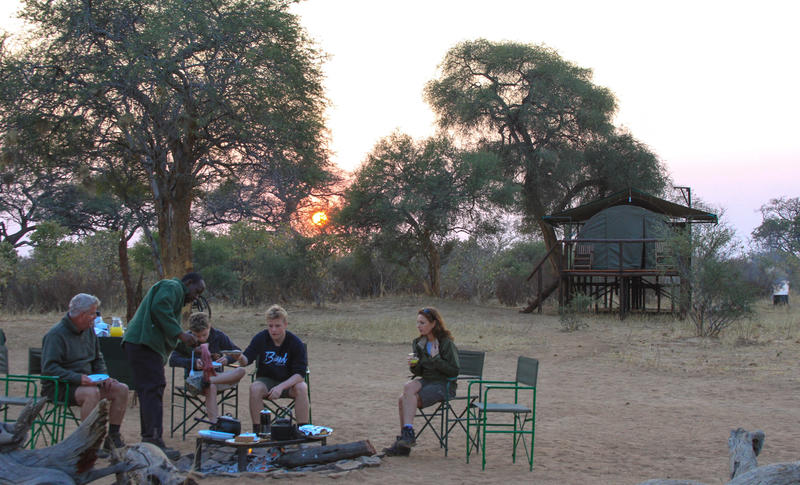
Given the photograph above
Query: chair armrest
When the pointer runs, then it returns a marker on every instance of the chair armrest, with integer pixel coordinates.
(480, 383)
(514, 388)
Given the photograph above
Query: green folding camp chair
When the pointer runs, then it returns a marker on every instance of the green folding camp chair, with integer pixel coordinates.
(493, 400)
(445, 416)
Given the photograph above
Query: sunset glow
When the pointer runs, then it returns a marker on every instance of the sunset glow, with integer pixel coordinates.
(319, 218)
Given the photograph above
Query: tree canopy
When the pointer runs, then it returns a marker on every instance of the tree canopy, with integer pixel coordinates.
(780, 226)
(193, 97)
(549, 124)
(410, 198)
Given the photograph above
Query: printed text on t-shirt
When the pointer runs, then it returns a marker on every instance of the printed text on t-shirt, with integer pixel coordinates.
(271, 358)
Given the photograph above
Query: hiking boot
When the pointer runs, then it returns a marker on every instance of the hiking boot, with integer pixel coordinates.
(397, 449)
(407, 437)
(171, 453)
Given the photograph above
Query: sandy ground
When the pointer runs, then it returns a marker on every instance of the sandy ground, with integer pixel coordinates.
(618, 403)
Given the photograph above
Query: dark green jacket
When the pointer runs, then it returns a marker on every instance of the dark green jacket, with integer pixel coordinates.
(68, 353)
(157, 322)
(439, 368)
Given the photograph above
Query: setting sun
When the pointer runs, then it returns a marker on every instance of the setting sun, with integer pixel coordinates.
(319, 218)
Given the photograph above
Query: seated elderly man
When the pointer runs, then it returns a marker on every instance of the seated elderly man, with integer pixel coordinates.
(71, 352)
(217, 341)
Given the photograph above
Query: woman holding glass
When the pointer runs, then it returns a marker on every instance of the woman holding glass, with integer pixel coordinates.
(434, 359)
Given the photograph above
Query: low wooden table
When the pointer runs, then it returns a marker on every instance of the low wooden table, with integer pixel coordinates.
(241, 448)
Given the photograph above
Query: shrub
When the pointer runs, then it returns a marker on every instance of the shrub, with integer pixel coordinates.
(719, 294)
(572, 314)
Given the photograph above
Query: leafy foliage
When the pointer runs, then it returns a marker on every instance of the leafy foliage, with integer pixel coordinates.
(718, 293)
(780, 226)
(59, 268)
(193, 95)
(410, 198)
(549, 124)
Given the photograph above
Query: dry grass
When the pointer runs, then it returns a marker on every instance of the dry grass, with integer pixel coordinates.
(658, 342)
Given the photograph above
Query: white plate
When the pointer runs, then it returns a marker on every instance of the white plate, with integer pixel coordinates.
(316, 431)
(215, 435)
(98, 377)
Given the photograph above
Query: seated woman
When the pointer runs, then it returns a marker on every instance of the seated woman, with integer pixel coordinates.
(217, 341)
(434, 360)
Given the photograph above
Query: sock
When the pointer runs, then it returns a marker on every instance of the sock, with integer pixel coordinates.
(113, 428)
(408, 426)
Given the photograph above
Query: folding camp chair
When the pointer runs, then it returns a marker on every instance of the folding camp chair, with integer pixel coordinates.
(50, 424)
(285, 407)
(471, 368)
(522, 413)
(189, 405)
(18, 390)
(280, 410)
(116, 361)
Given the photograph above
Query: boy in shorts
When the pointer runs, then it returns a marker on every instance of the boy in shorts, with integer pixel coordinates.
(281, 364)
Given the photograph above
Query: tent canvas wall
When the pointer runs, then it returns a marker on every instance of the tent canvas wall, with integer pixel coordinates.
(624, 222)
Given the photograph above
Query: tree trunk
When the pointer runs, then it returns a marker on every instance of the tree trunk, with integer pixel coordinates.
(326, 454)
(125, 268)
(550, 240)
(743, 448)
(434, 270)
(172, 193)
(70, 461)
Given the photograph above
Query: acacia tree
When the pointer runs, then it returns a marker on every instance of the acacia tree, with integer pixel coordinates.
(549, 124)
(410, 198)
(194, 93)
(780, 226)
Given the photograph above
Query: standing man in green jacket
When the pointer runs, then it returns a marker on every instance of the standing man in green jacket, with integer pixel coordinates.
(152, 334)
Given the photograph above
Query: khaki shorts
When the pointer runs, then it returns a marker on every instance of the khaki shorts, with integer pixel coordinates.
(270, 383)
(432, 392)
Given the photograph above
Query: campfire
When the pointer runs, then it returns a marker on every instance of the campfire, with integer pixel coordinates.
(218, 459)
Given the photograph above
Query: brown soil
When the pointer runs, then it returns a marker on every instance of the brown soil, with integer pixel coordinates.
(618, 402)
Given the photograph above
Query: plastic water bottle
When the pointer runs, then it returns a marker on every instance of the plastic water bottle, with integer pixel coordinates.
(116, 329)
(100, 327)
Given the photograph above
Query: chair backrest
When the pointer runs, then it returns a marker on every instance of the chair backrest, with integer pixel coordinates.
(116, 360)
(527, 371)
(34, 361)
(3, 353)
(471, 363)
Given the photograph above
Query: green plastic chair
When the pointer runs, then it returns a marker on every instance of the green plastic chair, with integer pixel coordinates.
(448, 416)
(49, 425)
(52, 424)
(489, 403)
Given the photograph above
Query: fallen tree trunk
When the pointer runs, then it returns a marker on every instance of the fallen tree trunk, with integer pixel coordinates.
(744, 447)
(70, 461)
(326, 454)
(23, 425)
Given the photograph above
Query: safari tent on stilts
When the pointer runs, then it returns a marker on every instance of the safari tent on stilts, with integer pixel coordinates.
(616, 252)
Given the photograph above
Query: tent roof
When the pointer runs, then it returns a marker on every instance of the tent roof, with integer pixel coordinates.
(630, 197)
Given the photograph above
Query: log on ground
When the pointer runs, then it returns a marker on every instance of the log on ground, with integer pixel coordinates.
(326, 454)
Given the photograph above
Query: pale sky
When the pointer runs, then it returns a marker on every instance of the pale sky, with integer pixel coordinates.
(710, 86)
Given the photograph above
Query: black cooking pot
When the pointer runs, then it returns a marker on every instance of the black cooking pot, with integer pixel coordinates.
(225, 424)
(283, 429)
